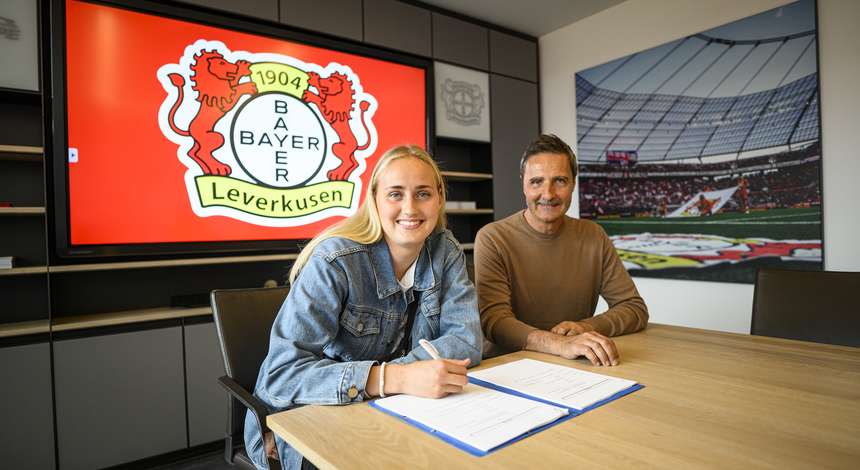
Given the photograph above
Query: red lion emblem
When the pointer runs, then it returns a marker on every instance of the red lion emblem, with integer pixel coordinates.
(335, 101)
(216, 82)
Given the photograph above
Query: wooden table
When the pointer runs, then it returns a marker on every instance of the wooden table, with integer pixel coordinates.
(710, 400)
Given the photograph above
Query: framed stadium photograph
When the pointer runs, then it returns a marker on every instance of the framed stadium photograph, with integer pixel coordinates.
(701, 158)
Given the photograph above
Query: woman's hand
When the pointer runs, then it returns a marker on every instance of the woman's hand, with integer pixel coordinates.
(269, 444)
(430, 379)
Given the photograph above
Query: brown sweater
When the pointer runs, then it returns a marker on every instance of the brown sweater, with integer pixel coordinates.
(527, 280)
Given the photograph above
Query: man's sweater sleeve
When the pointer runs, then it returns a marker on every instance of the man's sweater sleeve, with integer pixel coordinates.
(627, 312)
(493, 282)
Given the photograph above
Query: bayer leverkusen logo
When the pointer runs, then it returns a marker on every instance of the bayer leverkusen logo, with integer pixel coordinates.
(267, 139)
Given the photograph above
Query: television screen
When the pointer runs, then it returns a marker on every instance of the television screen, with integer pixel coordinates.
(184, 136)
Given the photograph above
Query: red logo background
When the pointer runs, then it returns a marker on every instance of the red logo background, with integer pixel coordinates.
(128, 186)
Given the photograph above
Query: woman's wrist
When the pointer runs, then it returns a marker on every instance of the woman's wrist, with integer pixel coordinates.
(393, 378)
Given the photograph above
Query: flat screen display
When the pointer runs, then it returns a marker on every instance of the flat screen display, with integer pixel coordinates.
(184, 136)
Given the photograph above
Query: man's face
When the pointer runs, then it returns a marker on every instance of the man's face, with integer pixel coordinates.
(548, 186)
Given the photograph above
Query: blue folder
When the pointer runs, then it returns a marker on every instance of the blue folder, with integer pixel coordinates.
(572, 412)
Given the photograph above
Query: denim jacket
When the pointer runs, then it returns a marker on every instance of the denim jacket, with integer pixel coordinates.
(346, 312)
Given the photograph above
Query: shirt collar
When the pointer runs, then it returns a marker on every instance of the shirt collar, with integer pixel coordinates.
(386, 283)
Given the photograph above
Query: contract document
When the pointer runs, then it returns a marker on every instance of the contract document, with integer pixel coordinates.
(479, 417)
(564, 386)
(503, 404)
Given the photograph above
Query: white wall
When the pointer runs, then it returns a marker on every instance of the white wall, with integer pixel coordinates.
(636, 25)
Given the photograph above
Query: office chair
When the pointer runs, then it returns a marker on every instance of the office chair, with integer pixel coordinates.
(819, 306)
(243, 320)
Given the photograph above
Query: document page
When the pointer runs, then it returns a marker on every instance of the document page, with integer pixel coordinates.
(558, 384)
(480, 417)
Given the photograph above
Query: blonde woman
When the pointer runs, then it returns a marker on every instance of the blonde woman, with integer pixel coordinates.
(363, 293)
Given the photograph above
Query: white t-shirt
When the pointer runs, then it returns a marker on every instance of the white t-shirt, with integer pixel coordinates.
(408, 279)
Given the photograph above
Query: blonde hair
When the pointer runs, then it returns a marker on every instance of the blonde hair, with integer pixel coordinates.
(365, 226)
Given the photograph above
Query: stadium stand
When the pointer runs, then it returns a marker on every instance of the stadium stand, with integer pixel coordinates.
(664, 127)
(781, 180)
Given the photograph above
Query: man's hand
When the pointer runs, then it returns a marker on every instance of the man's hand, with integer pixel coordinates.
(597, 348)
(571, 328)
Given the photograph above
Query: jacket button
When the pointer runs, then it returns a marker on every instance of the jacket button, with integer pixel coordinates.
(352, 392)
(360, 327)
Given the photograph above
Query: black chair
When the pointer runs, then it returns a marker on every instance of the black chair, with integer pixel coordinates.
(243, 319)
(818, 306)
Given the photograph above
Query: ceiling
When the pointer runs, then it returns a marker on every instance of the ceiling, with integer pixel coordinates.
(533, 17)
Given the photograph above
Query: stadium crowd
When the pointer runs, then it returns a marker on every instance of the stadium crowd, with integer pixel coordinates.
(791, 179)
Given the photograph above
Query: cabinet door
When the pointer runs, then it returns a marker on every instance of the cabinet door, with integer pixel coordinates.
(119, 397)
(266, 9)
(513, 56)
(460, 42)
(336, 17)
(397, 25)
(514, 124)
(27, 433)
(207, 400)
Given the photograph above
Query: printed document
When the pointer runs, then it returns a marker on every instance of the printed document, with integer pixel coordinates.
(480, 417)
(558, 384)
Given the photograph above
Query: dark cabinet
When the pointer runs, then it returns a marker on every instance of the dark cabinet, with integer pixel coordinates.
(515, 123)
(119, 397)
(26, 436)
(513, 56)
(397, 25)
(207, 401)
(467, 169)
(460, 42)
(266, 9)
(336, 17)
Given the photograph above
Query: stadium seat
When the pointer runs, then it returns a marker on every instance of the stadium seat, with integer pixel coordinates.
(819, 306)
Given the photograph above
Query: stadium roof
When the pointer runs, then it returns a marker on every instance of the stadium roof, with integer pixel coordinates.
(725, 91)
(661, 127)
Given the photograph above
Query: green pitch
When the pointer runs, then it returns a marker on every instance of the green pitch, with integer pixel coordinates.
(777, 224)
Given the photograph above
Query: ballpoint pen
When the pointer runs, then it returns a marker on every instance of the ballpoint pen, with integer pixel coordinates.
(431, 350)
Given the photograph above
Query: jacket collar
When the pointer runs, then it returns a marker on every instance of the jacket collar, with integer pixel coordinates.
(383, 269)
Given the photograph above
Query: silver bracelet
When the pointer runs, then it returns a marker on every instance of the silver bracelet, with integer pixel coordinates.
(382, 380)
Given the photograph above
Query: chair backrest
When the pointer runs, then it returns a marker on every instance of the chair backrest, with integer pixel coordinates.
(243, 319)
(815, 306)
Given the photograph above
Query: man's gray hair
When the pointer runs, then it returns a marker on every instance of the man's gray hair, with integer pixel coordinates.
(548, 143)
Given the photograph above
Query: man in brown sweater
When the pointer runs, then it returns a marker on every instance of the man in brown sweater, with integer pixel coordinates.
(539, 272)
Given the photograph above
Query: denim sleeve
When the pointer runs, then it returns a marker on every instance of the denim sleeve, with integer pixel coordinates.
(296, 372)
(460, 335)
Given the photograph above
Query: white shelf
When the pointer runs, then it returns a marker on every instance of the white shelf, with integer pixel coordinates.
(466, 176)
(467, 246)
(169, 263)
(24, 271)
(468, 211)
(9, 330)
(22, 210)
(82, 322)
(22, 149)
